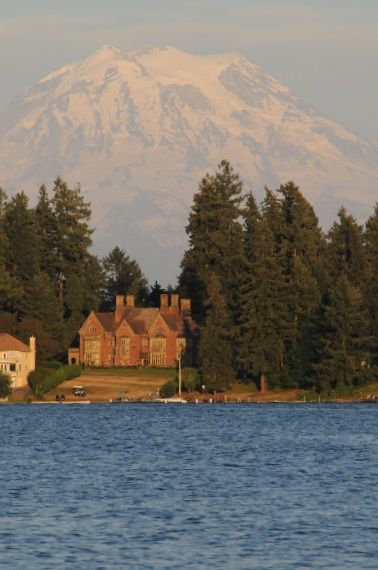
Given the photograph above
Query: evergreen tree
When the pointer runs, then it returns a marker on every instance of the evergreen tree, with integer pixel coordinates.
(299, 244)
(261, 315)
(371, 282)
(20, 229)
(215, 239)
(215, 348)
(75, 264)
(122, 275)
(40, 311)
(72, 214)
(251, 216)
(345, 360)
(153, 296)
(93, 284)
(272, 210)
(9, 291)
(345, 251)
(47, 234)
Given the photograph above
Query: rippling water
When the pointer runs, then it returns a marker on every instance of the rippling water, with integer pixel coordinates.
(223, 486)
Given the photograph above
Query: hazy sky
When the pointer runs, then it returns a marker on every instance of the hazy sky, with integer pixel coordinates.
(325, 50)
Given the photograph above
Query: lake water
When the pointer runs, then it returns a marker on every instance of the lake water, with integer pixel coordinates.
(150, 486)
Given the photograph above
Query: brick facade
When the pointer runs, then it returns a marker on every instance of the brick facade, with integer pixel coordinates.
(134, 336)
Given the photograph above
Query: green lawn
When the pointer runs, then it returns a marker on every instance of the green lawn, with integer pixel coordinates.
(167, 373)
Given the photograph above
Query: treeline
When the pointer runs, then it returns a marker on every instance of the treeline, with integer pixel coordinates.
(49, 279)
(280, 302)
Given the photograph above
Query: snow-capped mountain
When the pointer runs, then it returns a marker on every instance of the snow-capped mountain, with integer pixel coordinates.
(139, 130)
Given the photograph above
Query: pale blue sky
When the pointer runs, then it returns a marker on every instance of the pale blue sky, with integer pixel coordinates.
(325, 50)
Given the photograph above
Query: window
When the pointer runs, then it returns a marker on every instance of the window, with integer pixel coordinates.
(158, 344)
(92, 345)
(158, 348)
(125, 347)
(12, 368)
(157, 359)
(91, 359)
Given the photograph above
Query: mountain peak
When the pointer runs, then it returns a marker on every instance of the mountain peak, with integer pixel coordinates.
(106, 52)
(140, 129)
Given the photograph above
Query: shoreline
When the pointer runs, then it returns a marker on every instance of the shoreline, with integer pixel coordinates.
(191, 402)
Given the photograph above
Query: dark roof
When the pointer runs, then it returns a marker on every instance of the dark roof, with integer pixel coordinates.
(8, 342)
(174, 321)
(107, 320)
(141, 319)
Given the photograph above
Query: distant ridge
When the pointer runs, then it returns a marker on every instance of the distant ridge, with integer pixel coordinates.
(139, 130)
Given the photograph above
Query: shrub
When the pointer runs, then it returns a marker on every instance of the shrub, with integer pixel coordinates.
(37, 376)
(190, 380)
(53, 364)
(5, 385)
(169, 389)
(45, 379)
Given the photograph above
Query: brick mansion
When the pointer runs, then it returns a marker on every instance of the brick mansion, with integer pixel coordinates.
(135, 336)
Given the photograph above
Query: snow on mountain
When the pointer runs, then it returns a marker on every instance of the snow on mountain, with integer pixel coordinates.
(139, 130)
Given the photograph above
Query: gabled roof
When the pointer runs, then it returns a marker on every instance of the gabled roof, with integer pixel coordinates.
(174, 321)
(140, 320)
(9, 342)
(106, 320)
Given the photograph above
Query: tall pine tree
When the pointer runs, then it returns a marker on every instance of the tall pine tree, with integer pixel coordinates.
(215, 239)
(215, 348)
(122, 275)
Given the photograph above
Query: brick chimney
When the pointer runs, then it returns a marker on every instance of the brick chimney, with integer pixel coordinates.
(163, 301)
(32, 347)
(130, 300)
(185, 306)
(120, 300)
(174, 302)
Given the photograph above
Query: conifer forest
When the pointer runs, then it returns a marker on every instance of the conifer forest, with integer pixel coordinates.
(279, 302)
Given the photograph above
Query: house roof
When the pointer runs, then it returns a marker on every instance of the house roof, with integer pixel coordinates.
(141, 319)
(107, 320)
(9, 342)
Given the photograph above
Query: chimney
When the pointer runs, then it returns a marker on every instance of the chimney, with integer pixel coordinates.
(174, 301)
(185, 306)
(119, 301)
(163, 301)
(32, 348)
(130, 299)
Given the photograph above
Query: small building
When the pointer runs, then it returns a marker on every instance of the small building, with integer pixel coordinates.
(136, 336)
(17, 359)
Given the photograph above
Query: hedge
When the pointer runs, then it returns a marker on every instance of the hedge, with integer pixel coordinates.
(45, 379)
(168, 389)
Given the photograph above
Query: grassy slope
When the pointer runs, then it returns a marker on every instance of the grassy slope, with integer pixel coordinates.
(105, 384)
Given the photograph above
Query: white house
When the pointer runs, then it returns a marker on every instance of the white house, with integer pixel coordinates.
(16, 359)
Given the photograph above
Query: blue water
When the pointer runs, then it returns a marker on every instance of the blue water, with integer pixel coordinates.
(209, 486)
